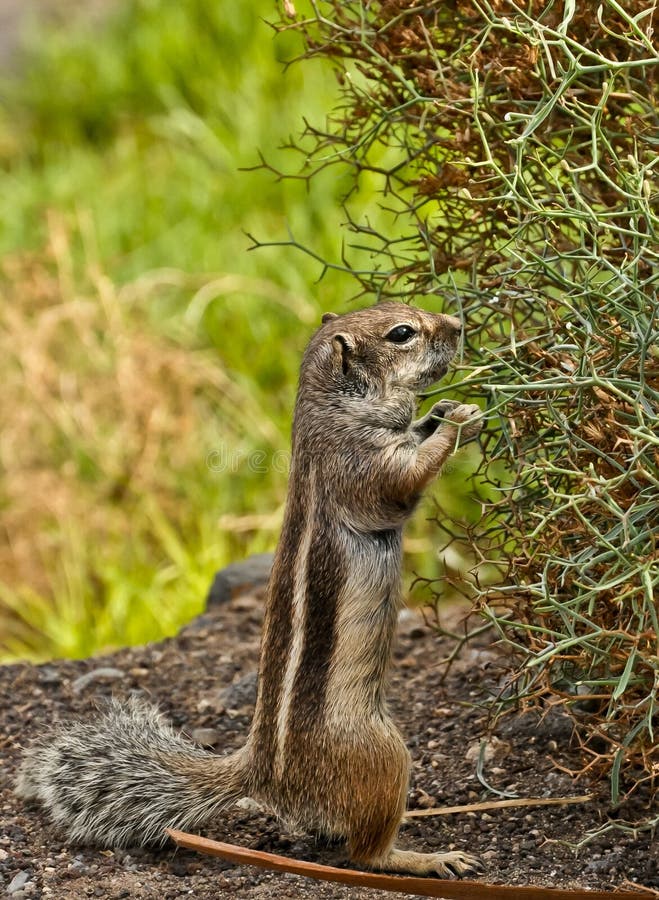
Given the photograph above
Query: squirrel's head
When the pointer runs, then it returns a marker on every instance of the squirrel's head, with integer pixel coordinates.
(389, 345)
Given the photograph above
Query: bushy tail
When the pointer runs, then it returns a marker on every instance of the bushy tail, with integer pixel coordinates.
(125, 777)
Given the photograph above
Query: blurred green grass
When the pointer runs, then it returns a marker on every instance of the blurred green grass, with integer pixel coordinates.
(146, 356)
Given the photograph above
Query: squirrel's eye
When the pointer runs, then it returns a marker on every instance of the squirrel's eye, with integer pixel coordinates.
(401, 334)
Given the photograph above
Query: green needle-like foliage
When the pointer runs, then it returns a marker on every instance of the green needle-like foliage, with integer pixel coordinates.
(514, 148)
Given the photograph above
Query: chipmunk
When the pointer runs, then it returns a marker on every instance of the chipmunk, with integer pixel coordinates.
(322, 751)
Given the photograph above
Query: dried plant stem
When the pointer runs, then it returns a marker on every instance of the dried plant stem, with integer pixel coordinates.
(496, 804)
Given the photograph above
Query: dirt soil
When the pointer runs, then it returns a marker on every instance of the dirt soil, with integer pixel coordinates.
(204, 679)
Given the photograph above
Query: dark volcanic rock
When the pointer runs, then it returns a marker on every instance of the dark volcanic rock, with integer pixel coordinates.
(249, 573)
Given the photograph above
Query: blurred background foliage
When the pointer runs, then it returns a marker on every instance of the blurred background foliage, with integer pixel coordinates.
(148, 361)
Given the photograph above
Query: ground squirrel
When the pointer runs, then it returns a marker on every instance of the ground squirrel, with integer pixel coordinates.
(322, 751)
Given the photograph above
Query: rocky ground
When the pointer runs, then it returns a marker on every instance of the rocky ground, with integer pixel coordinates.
(204, 679)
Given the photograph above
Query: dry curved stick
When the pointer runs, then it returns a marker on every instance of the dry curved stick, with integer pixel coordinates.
(421, 887)
(495, 804)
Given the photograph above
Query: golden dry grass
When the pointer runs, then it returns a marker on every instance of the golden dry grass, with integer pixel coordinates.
(105, 425)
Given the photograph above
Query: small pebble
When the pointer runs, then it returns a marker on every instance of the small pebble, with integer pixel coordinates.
(241, 695)
(18, 882)
(206, 737)
(48, 675)
(104, 673)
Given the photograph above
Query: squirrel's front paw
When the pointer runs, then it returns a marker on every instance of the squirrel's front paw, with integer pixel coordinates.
(469, 419)
(442, 409)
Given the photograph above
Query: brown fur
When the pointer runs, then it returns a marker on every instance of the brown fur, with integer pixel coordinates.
(358, 471)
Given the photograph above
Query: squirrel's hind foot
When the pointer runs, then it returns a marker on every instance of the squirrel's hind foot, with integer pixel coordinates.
(445, 865)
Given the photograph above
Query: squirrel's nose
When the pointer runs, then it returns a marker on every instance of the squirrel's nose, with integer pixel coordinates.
(454, 325)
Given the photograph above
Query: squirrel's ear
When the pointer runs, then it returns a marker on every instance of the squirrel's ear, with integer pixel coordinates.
(327, 317)
(344, 348)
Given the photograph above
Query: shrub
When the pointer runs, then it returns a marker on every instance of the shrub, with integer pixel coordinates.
(514, 147)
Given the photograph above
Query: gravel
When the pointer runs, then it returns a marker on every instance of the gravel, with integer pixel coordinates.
(204, 680)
